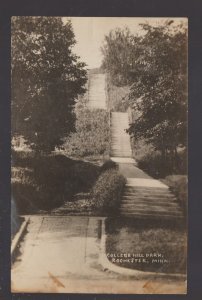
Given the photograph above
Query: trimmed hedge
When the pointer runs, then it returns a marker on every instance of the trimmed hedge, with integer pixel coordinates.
(107, 191)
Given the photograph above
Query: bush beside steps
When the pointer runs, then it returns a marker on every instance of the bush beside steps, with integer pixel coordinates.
(107, 191)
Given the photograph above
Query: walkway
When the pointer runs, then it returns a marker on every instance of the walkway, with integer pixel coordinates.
(120, 140)
(64, 255)
(143, 196)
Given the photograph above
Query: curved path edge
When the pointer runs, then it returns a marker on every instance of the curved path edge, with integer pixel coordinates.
(19, 235)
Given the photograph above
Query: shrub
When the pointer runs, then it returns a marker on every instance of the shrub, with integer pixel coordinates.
(25, 197)
(46, 182)
(108, 190)
(154, 164)
(117, 96)
(109, 164)
(140, 149)
(92, 134)
(178, 184)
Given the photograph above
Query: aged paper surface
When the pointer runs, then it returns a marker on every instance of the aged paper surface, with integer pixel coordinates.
(99, 164)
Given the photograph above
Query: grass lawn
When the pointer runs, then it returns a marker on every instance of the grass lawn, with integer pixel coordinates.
(152, 246)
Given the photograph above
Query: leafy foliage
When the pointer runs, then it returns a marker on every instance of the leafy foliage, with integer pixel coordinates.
(117, 99)
(117, 55)
(155, 67)
(109, 164)
(46, 80)
(178, 185)
(46, 182)
(157, 166)
(108, 190)
(92, 136)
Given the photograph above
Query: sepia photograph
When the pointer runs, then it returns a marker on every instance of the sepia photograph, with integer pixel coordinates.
(99, 118)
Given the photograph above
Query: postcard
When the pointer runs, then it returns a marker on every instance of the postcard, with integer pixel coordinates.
(99, 155)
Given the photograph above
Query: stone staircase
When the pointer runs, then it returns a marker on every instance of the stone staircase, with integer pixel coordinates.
(96, 91)
(149, 198)
(120, 140)
(143, 196)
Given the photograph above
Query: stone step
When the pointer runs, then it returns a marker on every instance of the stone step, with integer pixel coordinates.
(121, 142)
(119, 114)
(150, 215)
(121, 155)
(121, 149)
(96, 91)
(150, 201)
(149, 197)
(119, 121)
(121, 146)
(118, 147)
(119, 117)
(120, 139)
(119, 136)
(146, 182)
(118, 153)
(145, 207)
(154, 191)
(119, 124)
(150, 212)
(151, 206)
(148, 190)
(96, 97)
(120, 131)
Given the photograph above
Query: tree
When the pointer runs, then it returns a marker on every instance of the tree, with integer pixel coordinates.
(117, 55)
(46, 80)
(159, 90)
(157, 75)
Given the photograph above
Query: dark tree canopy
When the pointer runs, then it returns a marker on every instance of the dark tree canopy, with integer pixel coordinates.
(156, 71)
(46, 80)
